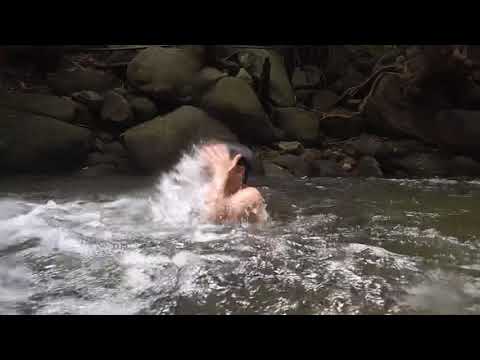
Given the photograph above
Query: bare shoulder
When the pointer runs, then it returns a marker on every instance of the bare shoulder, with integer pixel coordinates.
(250, 194)
(247, 204)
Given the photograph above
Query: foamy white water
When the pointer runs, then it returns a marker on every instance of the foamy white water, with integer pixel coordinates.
(72, 246)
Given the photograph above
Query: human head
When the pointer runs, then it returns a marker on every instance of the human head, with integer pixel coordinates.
(239, 174)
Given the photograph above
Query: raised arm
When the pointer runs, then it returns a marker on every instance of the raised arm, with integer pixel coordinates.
(218, 159)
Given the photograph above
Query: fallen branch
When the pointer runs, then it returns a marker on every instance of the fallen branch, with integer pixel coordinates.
(355, 89)
(361, 107)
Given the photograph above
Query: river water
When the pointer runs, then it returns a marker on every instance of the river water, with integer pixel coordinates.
(130, 245)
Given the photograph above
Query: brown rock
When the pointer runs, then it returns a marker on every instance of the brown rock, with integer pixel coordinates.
(299, 125)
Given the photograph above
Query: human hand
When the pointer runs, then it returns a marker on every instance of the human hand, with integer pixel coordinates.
(218, 158)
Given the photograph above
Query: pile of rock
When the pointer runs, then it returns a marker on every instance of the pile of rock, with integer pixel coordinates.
(310, 120)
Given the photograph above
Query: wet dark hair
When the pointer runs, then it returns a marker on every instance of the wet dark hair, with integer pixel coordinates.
(246, 160)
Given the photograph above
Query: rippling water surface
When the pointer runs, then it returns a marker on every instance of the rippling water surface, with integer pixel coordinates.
(130, 245)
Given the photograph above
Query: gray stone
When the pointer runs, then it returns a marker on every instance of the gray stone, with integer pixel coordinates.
(463, 166)
(304, 97)
(99, 170)
(324, 100)
(298, 124)
(166, 73)
(105, 137)
(67, 82)
(281, 91)
(350, 79)
(290, 147)
(245, 76)
(423, 165)
(326, 168)
(39, 104)
(273, 170)
(158, 144)
(295, 164)
(33, 143)
(306, 77)
(368, 167)
(91, 99)
(116, 149)
(143, 108)
(116, 109)
(97, 158)
(367, 144)
(235, 103)
(205, 79)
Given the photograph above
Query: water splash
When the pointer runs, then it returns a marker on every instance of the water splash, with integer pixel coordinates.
(180, 195)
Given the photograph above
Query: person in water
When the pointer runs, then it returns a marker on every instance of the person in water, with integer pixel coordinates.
(228, 198)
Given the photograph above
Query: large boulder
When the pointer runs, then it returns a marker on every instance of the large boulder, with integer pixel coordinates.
(387, 114)
(457, 129)
(245, 76)
(306, 77)
(327, 168)
(40, 104)
(33, 143)
(349, 79)
(366, 144)
(276, 171)
(423, 165)
(281, 90)
(453, 129)
(204, 80)
(235, 103)
(463, 166)
(375, 146)
(368, 166)
(299, 125)
(67, 82)
(159, 143)
(143, 108)
(304, 97)
(166, 73)
(295, 164)
(324, 100)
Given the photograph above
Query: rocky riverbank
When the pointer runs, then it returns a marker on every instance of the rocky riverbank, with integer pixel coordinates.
(337, 112)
